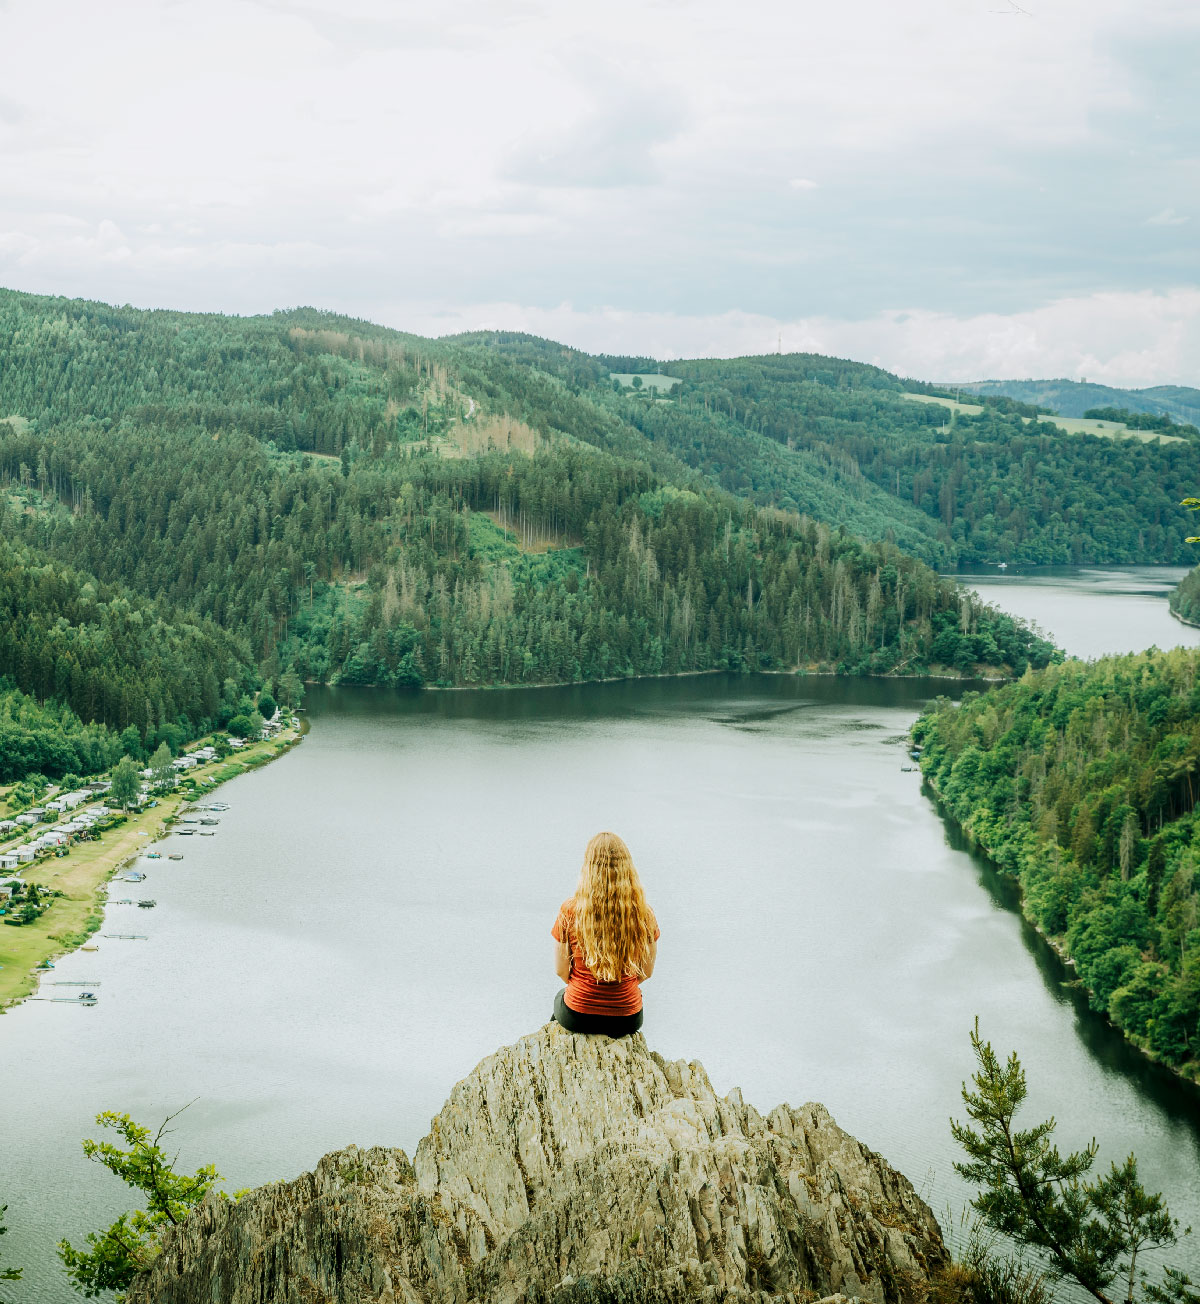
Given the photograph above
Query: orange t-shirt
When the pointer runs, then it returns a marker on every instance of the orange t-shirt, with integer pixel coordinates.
(584, 994)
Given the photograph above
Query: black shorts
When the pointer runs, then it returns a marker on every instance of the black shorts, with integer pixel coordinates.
(610, 1025)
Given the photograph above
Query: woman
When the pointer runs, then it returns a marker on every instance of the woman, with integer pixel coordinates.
(605, 944)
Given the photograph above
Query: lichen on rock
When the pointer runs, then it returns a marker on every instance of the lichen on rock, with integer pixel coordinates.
(572, 1170)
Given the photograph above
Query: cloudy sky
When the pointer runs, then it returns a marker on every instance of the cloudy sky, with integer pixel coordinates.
(951, 188)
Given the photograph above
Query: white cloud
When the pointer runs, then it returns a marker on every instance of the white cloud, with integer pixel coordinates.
(709, 170)
(1167, 217)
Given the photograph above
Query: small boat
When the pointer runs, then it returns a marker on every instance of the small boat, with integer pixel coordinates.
(153, 855)
(219, 805)
(907, 769)
(122, 901)
(184, 833)
(134, 876)
(175, 855)
(89, 948)
(207, 835)
(146, 902)
(128, 937)
(210, 821)
(74, 984)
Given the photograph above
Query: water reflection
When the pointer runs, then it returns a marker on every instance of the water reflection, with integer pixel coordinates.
(1178, 1100)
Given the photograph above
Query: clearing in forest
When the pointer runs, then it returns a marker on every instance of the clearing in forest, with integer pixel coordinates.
(1068, 425)
(661, 384)
(969, 409)
(1108, 429)
(499, 531)
(485, 434)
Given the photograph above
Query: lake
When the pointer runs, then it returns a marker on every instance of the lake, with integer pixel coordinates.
(373, 917)
(1092, 611)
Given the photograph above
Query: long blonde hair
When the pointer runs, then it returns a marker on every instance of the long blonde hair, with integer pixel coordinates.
(613, 924)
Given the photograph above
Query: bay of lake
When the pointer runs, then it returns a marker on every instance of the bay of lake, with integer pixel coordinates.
(1092, 612)
(373, 917)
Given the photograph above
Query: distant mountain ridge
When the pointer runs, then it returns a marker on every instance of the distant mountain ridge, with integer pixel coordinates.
(193, 504)
(1072, 398)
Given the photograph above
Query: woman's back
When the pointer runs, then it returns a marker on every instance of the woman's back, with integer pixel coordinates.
(606, 943)
(584, 994)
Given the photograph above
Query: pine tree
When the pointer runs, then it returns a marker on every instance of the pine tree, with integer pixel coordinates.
(1090, 1232)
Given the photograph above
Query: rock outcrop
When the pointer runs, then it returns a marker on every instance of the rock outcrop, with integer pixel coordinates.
(567, 1169)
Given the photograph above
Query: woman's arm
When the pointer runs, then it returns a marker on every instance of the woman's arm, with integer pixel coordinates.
(651, 960)
(562, 959)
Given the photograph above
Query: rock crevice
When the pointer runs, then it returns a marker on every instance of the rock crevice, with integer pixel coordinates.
(568, 1169)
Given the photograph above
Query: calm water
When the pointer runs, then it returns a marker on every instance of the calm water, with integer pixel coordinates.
(373, 917)
(1066, 603)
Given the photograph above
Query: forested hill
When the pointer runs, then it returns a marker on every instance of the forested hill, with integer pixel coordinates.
(1082, 780)
(1075, 398)
(195, 503)
(959, 484)
(843, 442)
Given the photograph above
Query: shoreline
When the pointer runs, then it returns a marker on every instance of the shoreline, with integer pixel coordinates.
(1183, 620)
(1057, 947)
(83, 876)
(805, 672)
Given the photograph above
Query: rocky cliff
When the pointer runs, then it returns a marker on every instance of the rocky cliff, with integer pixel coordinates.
(567, 1169)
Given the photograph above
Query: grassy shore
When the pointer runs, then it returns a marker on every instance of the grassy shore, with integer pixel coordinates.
(73, 917)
